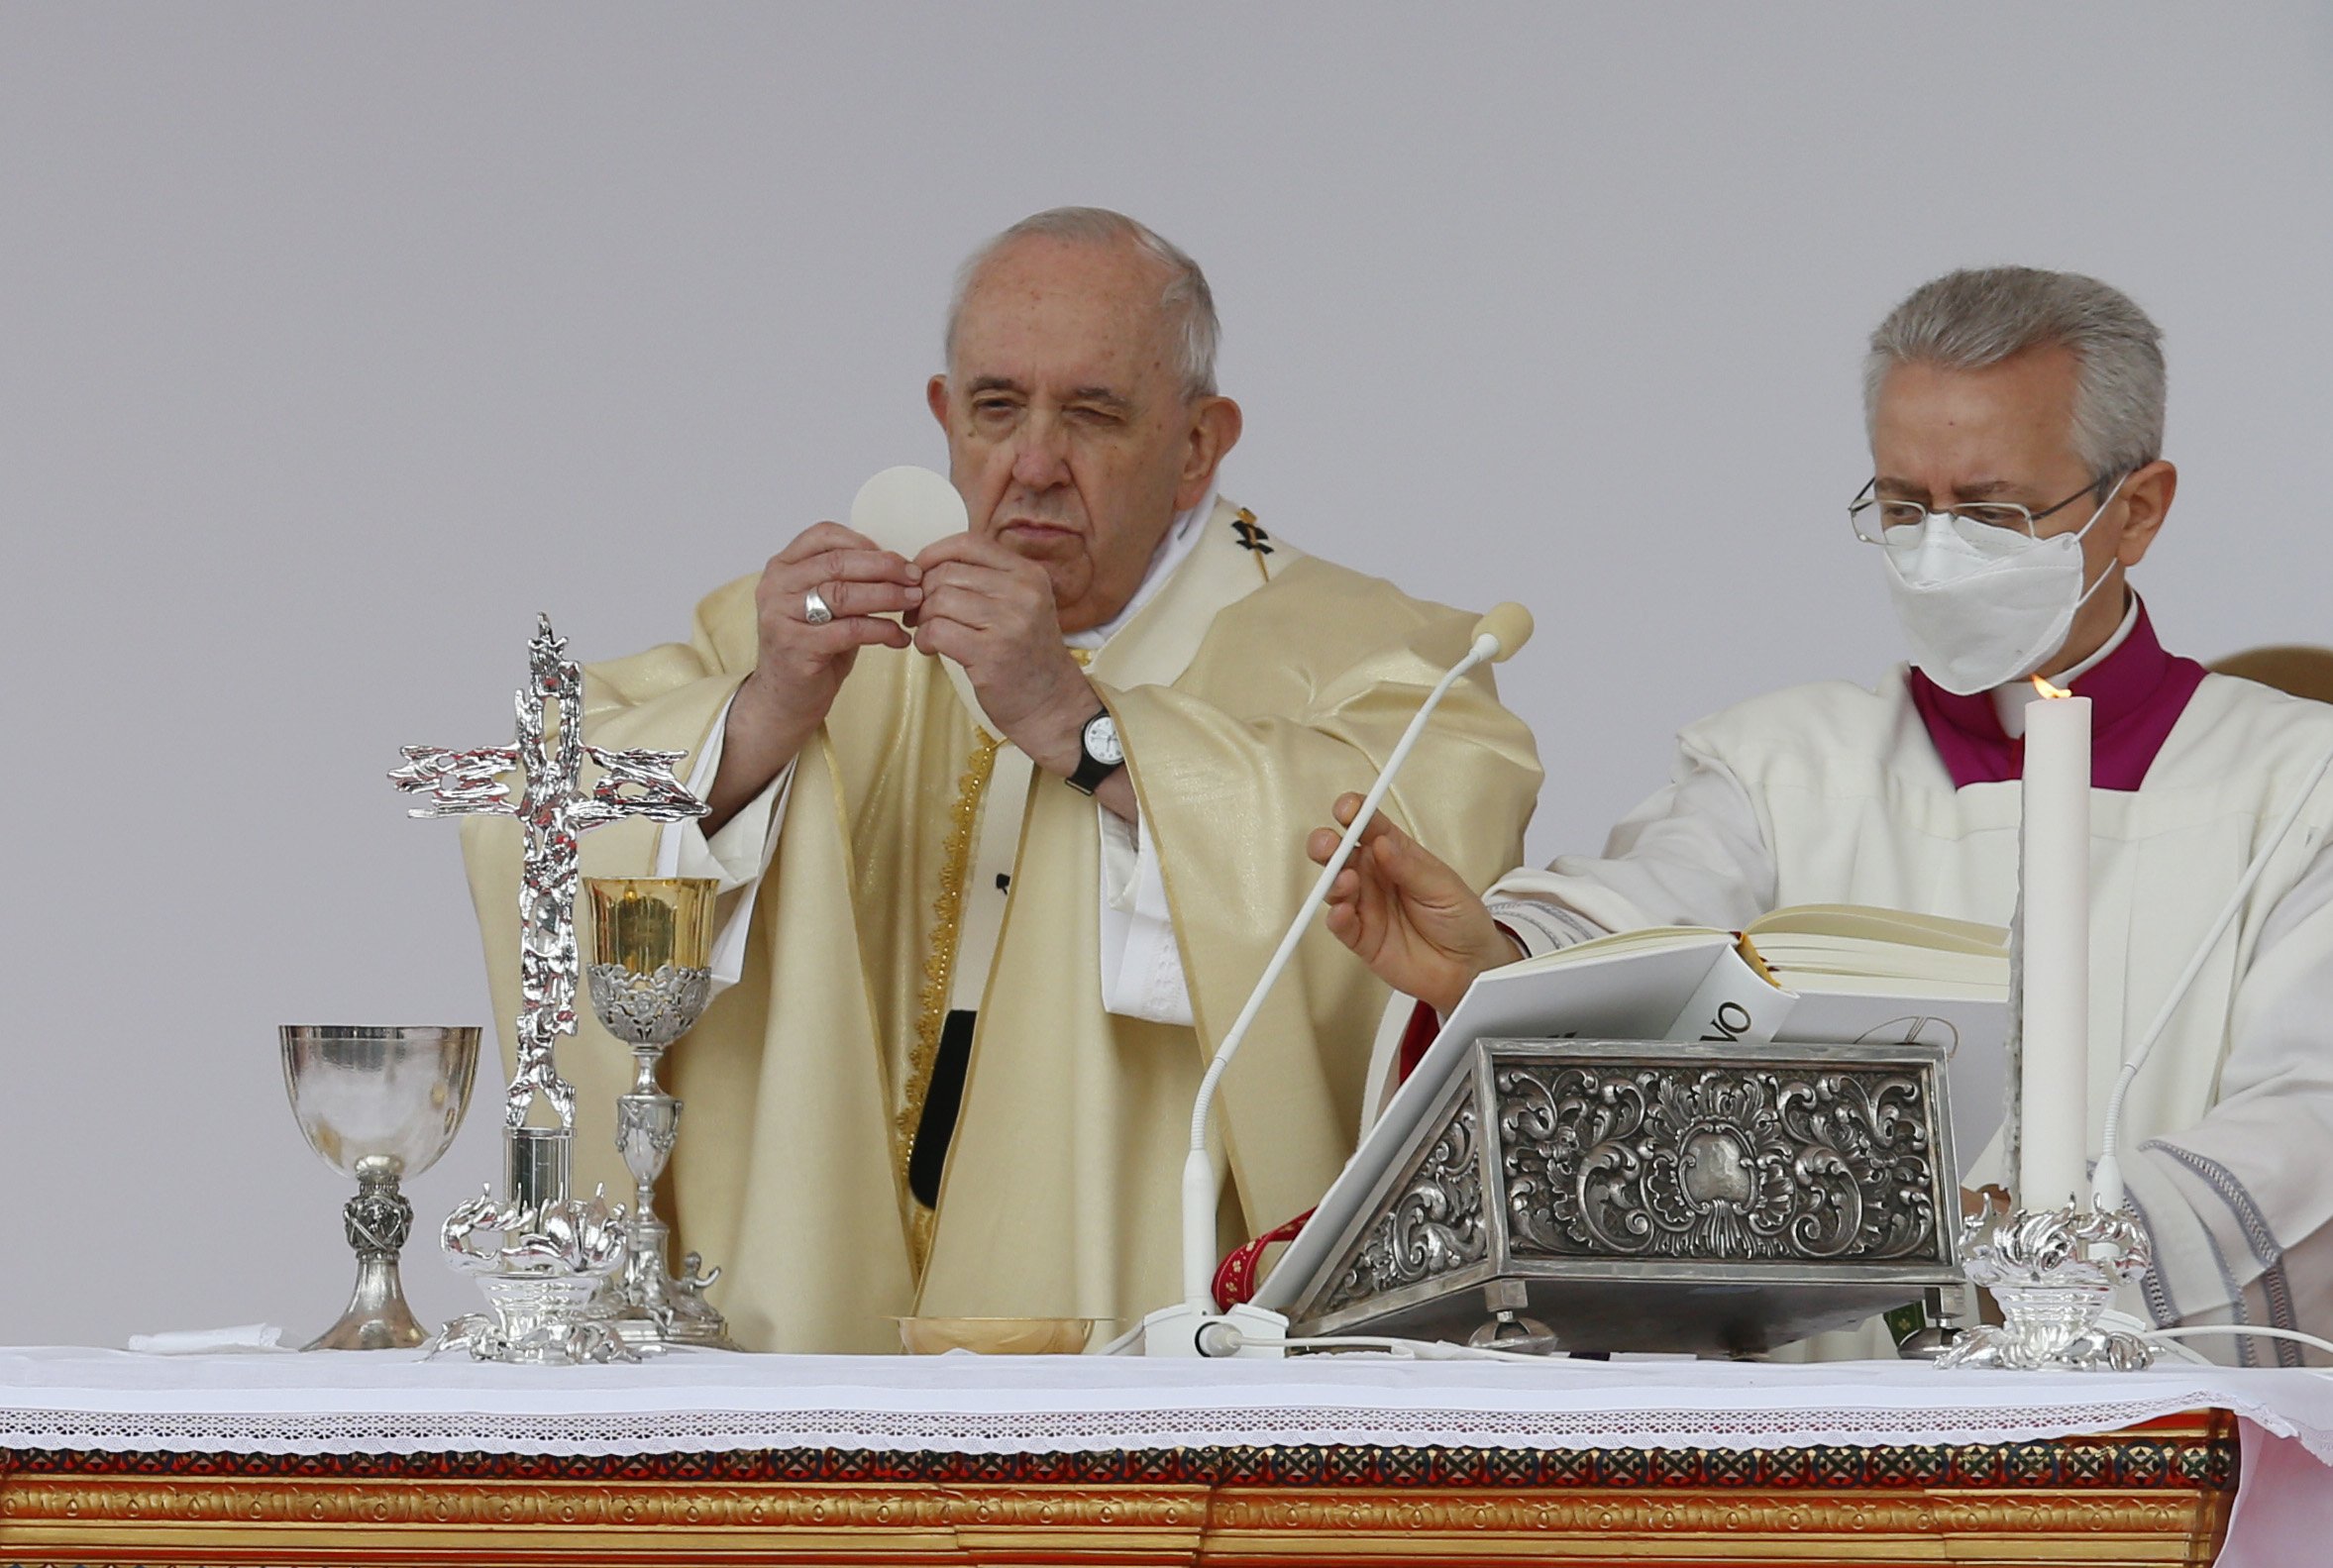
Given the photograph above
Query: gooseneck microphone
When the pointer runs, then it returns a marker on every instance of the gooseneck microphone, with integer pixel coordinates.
(1177, 1330)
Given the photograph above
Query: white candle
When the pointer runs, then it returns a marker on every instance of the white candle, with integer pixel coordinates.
(2053, 1127)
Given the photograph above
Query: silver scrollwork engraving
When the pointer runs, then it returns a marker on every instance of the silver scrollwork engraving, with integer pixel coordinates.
(1433, 1227)
(1716, 1164)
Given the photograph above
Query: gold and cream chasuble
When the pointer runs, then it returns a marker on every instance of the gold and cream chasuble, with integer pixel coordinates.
(1257, 684)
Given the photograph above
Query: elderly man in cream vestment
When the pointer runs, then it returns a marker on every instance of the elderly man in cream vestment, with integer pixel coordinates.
(2016, 425)
(1006, 830)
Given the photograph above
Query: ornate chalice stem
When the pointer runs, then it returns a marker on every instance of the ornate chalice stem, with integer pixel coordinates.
(377, 1220)
(647, 1124)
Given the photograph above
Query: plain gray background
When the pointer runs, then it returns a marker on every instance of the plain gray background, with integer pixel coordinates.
(341, 340)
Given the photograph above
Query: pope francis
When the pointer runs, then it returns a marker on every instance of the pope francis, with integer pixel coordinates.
(1005, 826)
(2016, 429)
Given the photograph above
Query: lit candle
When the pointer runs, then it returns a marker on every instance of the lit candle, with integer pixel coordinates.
(2054, 1126)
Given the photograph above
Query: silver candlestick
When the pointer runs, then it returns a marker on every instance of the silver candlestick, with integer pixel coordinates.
(377, 1103)
(651, 978)
(554, 811)
(2051, 1272)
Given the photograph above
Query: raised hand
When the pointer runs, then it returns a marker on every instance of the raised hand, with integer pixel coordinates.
(992, 612)
(800, 662)
(1410, 917)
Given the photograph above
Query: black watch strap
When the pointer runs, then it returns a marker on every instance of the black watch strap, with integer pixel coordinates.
(1092, 769)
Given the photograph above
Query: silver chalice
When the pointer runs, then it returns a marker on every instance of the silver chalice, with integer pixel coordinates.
(379, 1103)
(651, 977)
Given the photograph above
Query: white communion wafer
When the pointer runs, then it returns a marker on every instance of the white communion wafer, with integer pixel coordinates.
(908, 510)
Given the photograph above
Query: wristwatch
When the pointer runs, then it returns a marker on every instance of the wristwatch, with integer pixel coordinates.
(1101, 754)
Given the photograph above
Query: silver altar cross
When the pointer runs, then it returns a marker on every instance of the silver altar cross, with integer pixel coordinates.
(555, 811)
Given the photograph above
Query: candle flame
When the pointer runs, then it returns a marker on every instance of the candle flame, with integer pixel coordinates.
(2049, 690)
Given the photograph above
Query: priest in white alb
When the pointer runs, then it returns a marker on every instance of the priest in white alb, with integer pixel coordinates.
(1006, 827)
(2016, 427)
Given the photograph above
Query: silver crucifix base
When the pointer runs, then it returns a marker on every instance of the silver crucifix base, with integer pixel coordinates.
(541, 1266)
(2053, 1273)
(542, 1259)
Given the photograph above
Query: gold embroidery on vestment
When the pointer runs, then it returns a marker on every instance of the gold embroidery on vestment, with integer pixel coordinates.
(919, 1234)
(939, 969)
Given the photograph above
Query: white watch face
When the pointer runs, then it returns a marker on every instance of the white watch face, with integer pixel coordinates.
(1101, 743)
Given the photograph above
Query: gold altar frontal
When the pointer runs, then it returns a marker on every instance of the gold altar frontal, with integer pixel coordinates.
(2157, 1493)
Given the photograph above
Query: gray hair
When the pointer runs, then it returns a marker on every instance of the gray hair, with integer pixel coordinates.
(1186, 301)
(1969, 319)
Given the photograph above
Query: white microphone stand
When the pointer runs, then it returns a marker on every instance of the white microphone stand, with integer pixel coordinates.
(1193, 1326)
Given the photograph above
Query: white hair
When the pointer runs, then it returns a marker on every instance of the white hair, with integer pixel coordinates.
(1186, 301)
(1973, 318)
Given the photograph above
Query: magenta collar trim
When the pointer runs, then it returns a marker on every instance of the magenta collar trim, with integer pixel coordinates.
(2137, 695)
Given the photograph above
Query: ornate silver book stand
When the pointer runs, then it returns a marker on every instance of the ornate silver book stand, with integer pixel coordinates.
(1601, 1194)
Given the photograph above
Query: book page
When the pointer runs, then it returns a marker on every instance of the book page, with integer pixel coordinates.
(1866, 923)
(1796, 961)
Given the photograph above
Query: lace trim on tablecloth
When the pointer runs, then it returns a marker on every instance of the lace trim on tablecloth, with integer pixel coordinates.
(1055, 1431)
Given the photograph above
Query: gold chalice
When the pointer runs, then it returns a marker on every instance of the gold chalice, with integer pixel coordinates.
(651, 977)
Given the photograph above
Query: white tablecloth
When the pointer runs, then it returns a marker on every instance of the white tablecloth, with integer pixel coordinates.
(395, 1402)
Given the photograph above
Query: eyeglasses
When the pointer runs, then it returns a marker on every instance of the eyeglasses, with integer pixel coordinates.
(1871, 516)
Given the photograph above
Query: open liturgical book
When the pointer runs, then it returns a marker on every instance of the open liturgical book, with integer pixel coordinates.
(1813, 974)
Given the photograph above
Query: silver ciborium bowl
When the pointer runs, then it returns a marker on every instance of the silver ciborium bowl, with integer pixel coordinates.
(378, 1103)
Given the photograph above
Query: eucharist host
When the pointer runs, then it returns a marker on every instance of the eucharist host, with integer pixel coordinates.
(1006, 824)
(2015, 419)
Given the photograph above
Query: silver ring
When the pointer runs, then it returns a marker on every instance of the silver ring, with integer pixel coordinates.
(814, 609)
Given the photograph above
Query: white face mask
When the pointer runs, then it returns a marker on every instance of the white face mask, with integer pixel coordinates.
(1982, 605)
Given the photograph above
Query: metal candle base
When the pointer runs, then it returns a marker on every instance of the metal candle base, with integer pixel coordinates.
(2053, 1271)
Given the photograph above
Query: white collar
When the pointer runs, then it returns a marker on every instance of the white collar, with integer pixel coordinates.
(2011, 696)
(1182, 537)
